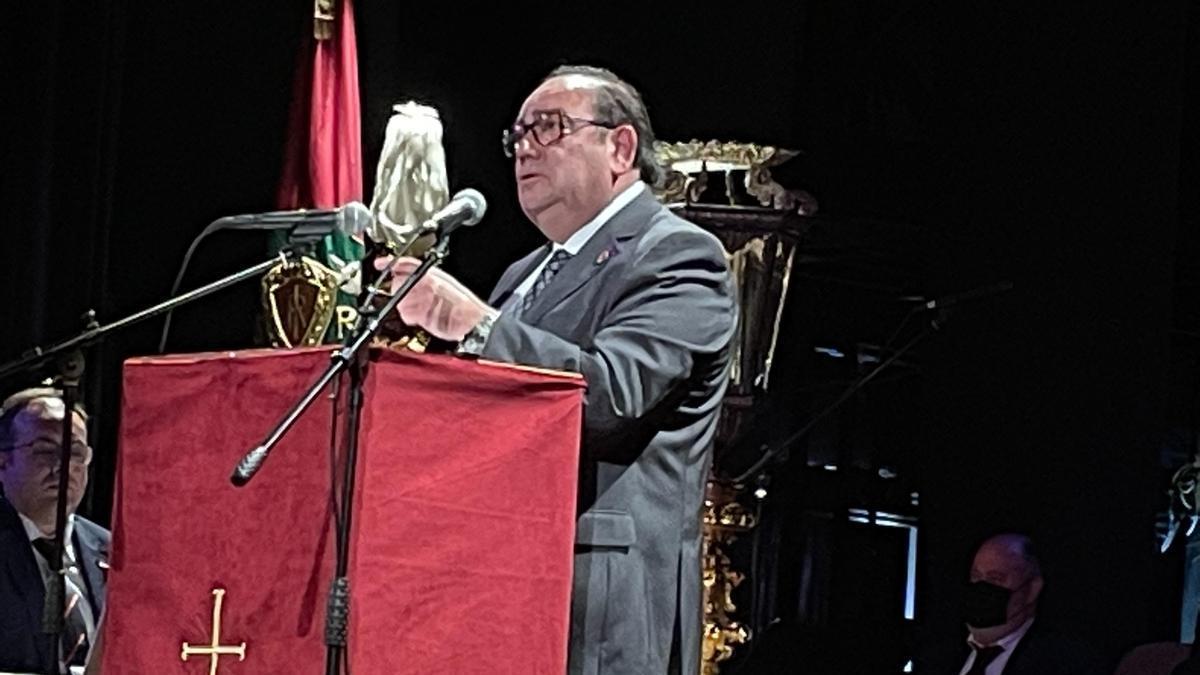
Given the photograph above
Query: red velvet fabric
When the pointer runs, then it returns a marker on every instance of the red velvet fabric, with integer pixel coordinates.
(461, 542)
(322, 164)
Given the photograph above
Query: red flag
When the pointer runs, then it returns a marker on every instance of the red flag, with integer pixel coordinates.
(322, 165)
(323, 162)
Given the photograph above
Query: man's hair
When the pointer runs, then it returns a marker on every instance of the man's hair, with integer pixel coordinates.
(17, 403)
(618, 102)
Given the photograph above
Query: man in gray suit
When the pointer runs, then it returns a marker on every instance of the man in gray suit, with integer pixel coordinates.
(642, 304)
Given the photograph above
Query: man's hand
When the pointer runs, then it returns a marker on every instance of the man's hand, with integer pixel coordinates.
(438, 303)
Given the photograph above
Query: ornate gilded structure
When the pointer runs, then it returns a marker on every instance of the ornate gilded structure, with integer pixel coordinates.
(759, 222)
(689, 165)
(724, 519)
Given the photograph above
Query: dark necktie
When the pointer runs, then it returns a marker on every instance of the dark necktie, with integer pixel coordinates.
(557, 260)
(74, 635)
(984, 656)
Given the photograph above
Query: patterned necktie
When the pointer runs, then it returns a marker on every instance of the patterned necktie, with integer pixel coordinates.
(552, 267)
(74, 635)
(984, 656)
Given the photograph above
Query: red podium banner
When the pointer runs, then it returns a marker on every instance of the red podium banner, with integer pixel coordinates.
(462, 527)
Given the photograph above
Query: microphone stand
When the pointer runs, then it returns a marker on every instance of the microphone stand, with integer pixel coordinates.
(69, 358)
(941, 306)
(70, 365)
(779, 450)
(94, 333)
(348, 357)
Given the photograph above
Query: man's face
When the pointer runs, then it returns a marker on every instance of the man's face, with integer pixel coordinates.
(570, 178)
(29, 469)
(1000, 564)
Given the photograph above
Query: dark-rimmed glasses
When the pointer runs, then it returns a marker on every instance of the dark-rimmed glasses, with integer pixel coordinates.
(548, 127)
(48, 454)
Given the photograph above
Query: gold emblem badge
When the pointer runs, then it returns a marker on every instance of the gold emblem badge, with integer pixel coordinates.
(300, 299)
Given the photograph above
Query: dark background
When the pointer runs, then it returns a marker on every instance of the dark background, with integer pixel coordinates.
(1053, 148)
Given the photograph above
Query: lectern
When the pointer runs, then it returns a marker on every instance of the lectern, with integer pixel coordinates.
(460, 539)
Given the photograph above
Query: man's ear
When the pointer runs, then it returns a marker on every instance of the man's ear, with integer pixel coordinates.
(623, 145)
(1035, 589)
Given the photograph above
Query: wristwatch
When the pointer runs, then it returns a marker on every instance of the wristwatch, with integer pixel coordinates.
(474, 341)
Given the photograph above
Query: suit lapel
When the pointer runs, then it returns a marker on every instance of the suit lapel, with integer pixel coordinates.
(606, 244)
(93, 560)
(513, 277)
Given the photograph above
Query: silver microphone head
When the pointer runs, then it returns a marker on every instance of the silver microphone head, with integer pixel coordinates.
(354, 219)
(465, 208)
(477, 204)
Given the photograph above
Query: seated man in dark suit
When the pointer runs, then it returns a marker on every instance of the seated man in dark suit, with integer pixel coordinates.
(1000, 609)
(31, 424)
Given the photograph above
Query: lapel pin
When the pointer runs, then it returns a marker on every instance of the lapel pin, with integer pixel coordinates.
(605, 255)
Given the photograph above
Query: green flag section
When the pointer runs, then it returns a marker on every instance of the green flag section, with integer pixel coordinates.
(322, 169)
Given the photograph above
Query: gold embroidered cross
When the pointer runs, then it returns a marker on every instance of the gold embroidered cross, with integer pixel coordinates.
(215, 650)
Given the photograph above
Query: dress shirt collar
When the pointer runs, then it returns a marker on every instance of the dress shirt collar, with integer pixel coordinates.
(32, 531)
(576, 241)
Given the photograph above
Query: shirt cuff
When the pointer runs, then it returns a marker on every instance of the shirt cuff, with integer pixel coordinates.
(473, 343)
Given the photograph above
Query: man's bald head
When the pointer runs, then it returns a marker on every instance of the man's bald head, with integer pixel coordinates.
(1006, 555)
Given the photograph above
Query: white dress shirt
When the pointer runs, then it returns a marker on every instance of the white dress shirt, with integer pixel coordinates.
(580, 238)
(74, 578)
(1008, 642)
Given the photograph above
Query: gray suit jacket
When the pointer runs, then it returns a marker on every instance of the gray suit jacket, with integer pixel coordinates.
(646, 312)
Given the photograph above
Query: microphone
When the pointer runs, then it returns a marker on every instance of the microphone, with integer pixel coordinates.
(464, 208)
(306, 225)
(351, 219)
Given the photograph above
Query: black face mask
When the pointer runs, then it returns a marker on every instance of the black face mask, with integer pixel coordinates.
(985, 605)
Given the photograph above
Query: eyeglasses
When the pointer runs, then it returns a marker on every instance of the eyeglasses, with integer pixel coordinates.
(548, 127)
(49, 454)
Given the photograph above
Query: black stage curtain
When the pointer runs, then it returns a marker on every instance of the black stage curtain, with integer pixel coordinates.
(132, 126)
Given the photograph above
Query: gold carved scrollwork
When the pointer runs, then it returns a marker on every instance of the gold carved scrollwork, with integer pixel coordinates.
(722, 152)
(688, 164)
(724, 519)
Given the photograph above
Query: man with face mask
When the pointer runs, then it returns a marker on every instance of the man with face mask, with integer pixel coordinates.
(31, 426)
(1000, 611)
